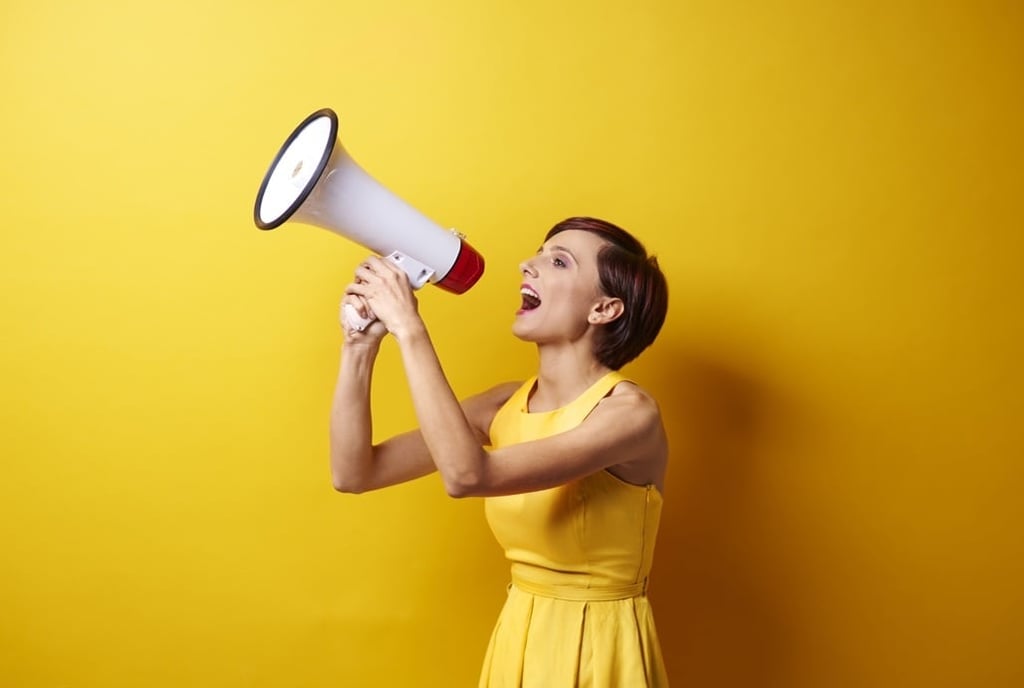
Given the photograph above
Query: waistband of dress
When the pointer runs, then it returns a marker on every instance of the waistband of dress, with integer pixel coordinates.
(604, 593)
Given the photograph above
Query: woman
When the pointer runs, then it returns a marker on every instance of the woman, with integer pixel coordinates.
(571, 462)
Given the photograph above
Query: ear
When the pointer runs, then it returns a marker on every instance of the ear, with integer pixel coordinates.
(605, 311)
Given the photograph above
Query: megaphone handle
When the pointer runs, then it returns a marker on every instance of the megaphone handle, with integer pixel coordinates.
(354, 321)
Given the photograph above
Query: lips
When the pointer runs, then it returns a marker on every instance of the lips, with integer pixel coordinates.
(531, 299)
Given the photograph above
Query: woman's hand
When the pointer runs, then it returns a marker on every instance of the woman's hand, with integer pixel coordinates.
(372, 334)
(382, 288)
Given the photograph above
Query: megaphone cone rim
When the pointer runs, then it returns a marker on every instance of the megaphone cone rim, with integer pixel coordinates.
(321, 165)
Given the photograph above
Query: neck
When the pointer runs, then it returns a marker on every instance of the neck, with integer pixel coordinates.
(565, 372)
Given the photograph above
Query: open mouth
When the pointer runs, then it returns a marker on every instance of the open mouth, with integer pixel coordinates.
(531, 299)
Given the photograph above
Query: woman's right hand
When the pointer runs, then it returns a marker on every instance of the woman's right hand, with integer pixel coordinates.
(372, 334)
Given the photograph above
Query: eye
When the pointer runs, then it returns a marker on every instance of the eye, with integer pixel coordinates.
(558, 262)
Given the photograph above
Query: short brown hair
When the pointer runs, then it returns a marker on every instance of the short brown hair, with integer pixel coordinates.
(626, 272)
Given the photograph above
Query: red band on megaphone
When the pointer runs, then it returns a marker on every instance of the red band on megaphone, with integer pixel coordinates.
(468, 267)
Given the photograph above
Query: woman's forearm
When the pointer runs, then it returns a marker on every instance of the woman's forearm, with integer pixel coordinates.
(351, 425)
(453, 444)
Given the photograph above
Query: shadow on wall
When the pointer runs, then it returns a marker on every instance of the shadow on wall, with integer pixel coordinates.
(718, 585)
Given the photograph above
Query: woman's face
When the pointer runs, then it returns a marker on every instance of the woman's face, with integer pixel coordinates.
(560, 288)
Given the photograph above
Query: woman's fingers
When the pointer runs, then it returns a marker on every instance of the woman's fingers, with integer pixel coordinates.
(357, 302)
(360, 289)
(375, 277)
(365, 273)
(377, 267)
(383, 291)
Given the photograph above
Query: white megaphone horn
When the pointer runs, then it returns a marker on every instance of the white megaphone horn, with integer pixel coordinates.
(313, 180)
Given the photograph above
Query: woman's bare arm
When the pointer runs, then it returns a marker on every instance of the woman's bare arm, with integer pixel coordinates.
(623, 433)
(357, 465)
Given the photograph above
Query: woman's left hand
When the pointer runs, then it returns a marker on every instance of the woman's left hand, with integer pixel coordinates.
(385, 288)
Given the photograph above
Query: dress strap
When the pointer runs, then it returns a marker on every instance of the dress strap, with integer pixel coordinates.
(505, 424)
(513, 423)
(576, 412)
(520, 399)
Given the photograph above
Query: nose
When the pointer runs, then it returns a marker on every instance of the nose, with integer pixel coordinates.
(527, 268)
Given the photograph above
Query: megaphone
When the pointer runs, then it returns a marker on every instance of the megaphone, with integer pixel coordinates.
(313, 180)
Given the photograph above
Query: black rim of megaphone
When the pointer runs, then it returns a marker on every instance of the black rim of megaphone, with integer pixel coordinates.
(301, 198)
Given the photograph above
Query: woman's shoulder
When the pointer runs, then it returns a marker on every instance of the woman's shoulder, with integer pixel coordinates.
(637, 411)
(631, 404)
(498, 394)
(501, 392)
(481, 408)
(629, 392)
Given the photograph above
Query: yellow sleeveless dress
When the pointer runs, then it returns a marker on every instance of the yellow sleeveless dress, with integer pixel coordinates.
(577, 613)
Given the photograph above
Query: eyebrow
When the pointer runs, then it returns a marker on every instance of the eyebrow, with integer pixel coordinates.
(563, 249)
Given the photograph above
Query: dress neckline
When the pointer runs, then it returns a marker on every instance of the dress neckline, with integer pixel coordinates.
(608, 381)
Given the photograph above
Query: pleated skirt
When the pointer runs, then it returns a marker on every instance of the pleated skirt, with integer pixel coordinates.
(541, 641)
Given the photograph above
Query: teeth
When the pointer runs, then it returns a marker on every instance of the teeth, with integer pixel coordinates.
(531, 299)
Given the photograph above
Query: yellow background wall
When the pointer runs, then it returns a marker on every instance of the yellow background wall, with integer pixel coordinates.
(834, 190)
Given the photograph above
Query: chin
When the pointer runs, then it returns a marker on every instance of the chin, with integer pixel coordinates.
(528, 329)
(521, 332)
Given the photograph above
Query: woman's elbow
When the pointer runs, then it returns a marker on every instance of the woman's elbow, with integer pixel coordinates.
(464, 485)
(456, 491)
(348, 484)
